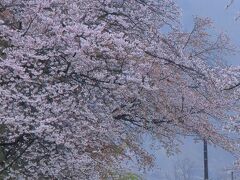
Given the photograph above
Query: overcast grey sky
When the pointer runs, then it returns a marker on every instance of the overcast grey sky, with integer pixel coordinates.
(224, 22)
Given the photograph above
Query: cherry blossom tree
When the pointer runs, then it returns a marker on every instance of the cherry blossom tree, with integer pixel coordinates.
(82, 81)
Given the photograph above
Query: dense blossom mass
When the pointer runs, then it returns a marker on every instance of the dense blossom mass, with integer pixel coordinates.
(82, 81)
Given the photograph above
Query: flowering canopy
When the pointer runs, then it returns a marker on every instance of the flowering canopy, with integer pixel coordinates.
(82, 80)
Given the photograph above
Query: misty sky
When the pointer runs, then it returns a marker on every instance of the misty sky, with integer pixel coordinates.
(224, 21)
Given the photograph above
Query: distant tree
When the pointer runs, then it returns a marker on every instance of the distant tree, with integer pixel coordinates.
(183, 170)
(81, 81)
